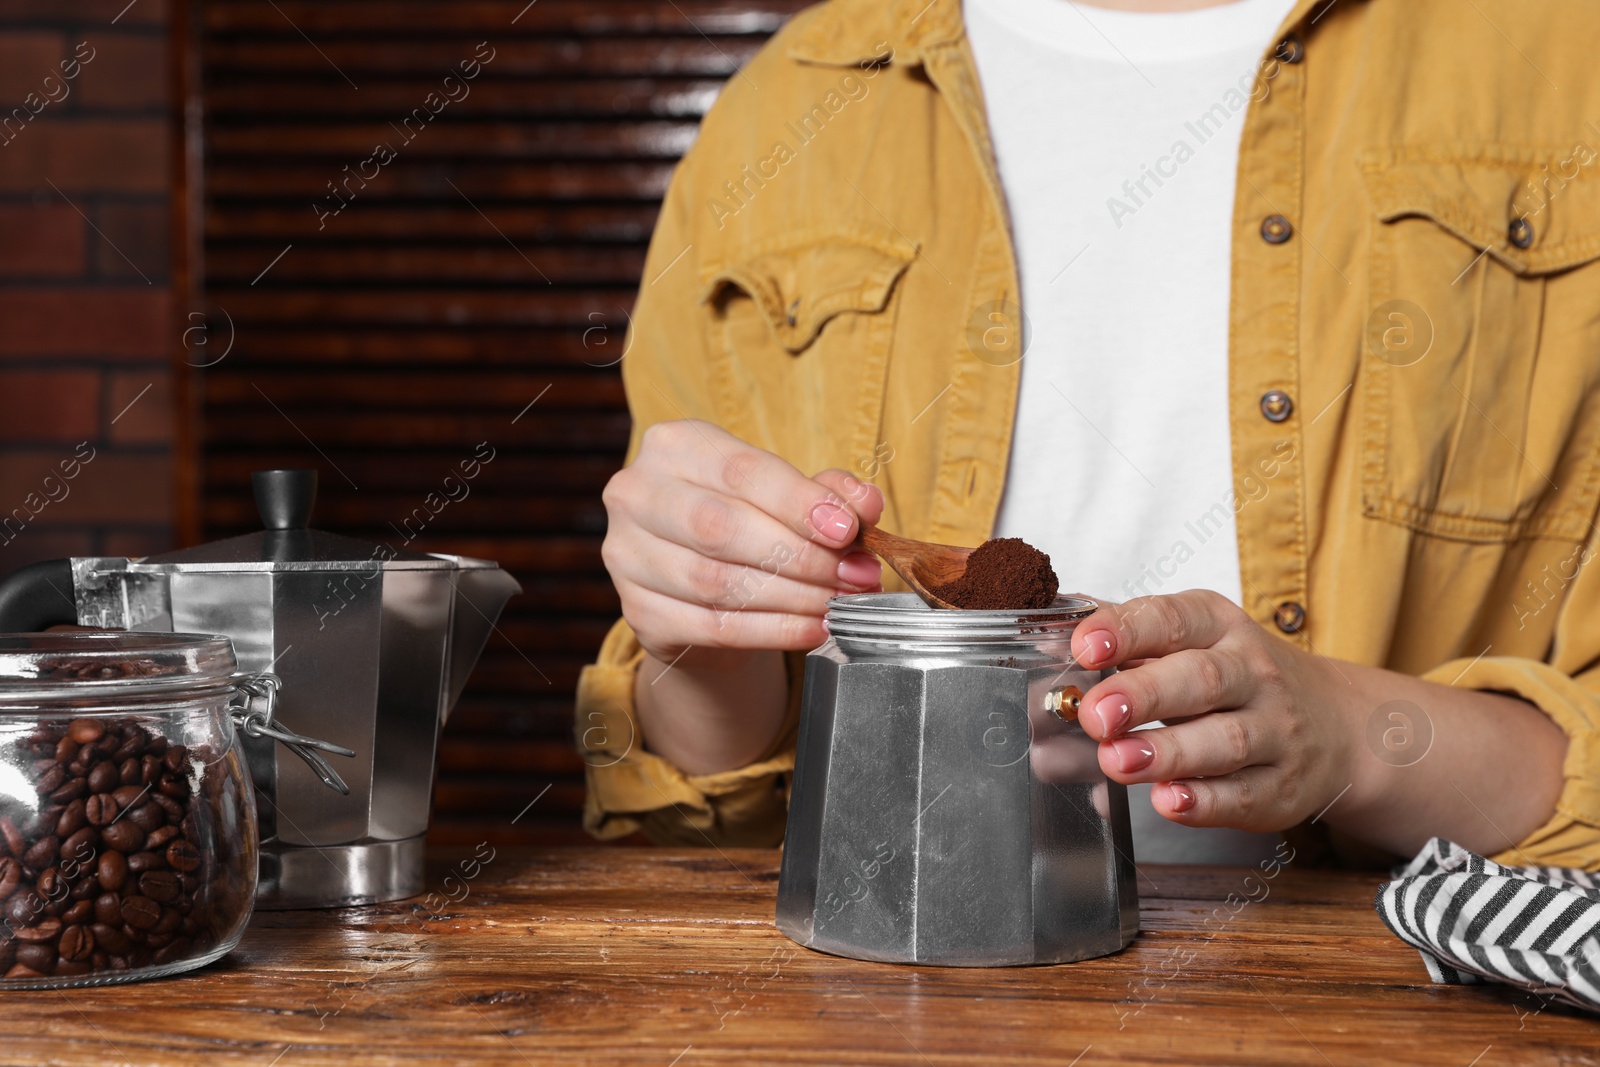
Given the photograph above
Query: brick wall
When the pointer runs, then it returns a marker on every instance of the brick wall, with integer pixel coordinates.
(86, 320)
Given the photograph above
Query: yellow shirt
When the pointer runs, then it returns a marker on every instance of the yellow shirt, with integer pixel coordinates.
(1414, 343)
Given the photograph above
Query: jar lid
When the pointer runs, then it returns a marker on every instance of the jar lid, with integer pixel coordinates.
(111, 667)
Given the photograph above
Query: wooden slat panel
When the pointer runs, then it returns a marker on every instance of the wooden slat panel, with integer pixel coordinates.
(428, 61)
(565, 140)
(284, 100)
(477, 290)
(281, 344)
(424, 18)
(475, 264)
(370, 219)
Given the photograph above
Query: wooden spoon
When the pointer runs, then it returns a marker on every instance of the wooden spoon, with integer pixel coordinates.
(922, 565)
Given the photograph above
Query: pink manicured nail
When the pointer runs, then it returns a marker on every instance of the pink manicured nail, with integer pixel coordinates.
(1182, 798)
(1113, 713)
(860, 570)
(1098, 647)
(831, 521)
(1133, 754)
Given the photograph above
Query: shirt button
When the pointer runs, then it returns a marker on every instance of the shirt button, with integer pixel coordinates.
(1290, 50)
(1520, 232)
(1276, 405)
(1289, 617)
(1275, 229)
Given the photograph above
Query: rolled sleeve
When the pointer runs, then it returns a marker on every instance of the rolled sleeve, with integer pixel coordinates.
(631, 789)
(1571, 838)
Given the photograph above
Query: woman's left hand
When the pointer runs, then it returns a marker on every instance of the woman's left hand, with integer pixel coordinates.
(1253, 737)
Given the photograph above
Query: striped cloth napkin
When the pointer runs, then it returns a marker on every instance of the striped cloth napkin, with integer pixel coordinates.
(1476, 921)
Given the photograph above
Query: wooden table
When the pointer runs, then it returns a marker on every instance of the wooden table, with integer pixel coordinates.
(657, 957)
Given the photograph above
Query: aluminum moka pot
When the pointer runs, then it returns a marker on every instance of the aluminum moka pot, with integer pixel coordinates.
(370, 646)
(947, 807)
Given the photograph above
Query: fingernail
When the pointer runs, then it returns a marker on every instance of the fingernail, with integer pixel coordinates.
(1113, 713)
(1098, 647)
(1133, 754)
(1182, 798)
(860, 570)
(831, 521)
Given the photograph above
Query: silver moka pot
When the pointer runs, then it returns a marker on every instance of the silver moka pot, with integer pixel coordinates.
(370, 645)
(947, 807)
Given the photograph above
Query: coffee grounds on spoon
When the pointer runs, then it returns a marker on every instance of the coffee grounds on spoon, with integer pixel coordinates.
(1002, 574)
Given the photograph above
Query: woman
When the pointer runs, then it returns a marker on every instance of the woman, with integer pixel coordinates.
(1304, 393)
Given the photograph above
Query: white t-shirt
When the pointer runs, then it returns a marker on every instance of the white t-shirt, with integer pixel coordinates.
(1117, 139)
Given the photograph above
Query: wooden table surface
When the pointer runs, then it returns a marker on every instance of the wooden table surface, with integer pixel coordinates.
(663, 957)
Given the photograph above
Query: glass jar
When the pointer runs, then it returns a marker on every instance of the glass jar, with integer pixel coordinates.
(128, 841)
(947, 807)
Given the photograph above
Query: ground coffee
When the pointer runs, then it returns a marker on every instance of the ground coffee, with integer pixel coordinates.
(1002, 574)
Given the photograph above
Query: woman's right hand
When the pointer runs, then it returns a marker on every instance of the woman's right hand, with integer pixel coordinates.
(715, 544)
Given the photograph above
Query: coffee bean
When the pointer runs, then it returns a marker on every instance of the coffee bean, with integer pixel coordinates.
(112, 871)
(157, 746)
(173, 809)
(80, 913)
(111, 939)
(127, 795)
(10, 876)
(171, 785)
(80, 766)
(183, 856)
(23, 971)
(51, 779)
(149, 768)
(131, 746)
(40, 957)
(160, 838)
(51, 885)
(100, 809)
(23, 907)
(71, 968)
(171, 919)
(72, 820)
(103, 778)
(128, 771)
(43, 853)
(80, 847)
(175, 758)
(141, 913)
(12, 836)
(139, 862)
(108, 745)
(175, 949)
(84, 731)
(147, 816)
(70, 790)
(123, 836)
(108, 909)
(76, 943)
(66, 750)
(161, 886)
(47, 929)
(85, 890)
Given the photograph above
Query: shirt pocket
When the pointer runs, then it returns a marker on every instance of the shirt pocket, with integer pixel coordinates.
(800, 336)
(1477, 424)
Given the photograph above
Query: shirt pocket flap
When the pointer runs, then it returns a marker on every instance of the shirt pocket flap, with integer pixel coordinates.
(800, 285)
(1479, 198)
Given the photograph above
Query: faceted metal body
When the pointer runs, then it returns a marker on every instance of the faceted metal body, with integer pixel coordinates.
(372, 654)
(941, 813)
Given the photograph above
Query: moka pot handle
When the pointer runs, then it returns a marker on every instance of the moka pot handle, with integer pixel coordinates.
(38, 596)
